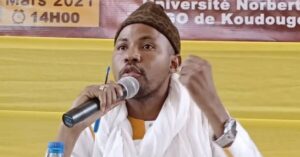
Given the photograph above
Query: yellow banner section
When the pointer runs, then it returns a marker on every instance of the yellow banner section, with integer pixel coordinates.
(50, 13)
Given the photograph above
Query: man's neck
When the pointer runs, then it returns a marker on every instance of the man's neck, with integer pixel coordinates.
(148, 107)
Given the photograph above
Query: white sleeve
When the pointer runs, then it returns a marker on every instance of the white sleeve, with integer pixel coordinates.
(243, 144)
(84, 144)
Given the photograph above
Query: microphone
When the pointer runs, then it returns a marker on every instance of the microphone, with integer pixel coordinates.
(130, 87)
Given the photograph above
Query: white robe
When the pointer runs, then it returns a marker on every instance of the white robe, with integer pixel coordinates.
(180, 130)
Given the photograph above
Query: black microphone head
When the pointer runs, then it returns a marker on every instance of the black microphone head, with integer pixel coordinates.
(130, 85)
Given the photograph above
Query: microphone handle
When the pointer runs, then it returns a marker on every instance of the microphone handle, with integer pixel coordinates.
(85, 110)
(81, 112)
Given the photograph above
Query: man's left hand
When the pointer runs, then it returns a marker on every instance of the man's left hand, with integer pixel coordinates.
(196, 76)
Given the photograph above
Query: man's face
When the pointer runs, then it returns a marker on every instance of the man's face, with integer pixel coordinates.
(144, 53)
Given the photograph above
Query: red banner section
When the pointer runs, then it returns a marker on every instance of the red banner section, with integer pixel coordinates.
(247, 20)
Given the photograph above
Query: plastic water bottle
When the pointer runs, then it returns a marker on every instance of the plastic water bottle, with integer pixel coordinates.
(55, 149)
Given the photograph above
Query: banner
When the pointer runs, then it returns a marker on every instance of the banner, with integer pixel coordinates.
(246, 20)
(50, 13)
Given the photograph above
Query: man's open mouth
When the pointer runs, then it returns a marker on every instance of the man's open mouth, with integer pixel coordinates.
(131, 71)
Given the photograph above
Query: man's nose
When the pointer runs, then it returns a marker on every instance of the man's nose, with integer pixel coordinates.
(132, 56)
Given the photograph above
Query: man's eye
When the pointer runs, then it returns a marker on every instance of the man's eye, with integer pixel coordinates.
(148, 47)
(122, 47)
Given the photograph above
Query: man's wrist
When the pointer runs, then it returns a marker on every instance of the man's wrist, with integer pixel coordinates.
(229, 134)
(217, 116)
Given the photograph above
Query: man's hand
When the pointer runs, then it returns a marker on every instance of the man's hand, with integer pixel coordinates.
(107, 94)
(196, 75)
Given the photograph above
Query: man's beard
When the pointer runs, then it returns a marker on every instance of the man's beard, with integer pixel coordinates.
(146, 91)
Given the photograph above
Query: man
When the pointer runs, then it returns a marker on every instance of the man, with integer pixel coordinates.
(176, 111)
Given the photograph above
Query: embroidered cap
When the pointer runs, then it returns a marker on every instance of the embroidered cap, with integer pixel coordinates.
(153, 15)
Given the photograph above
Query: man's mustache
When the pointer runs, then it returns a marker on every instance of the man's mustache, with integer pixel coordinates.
(131, 68)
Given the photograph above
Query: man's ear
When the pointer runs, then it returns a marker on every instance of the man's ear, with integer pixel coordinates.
(175, 63)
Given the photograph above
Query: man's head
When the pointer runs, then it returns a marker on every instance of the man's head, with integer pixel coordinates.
(147, 46)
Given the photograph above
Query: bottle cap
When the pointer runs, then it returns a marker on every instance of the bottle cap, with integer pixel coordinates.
(55, 147)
